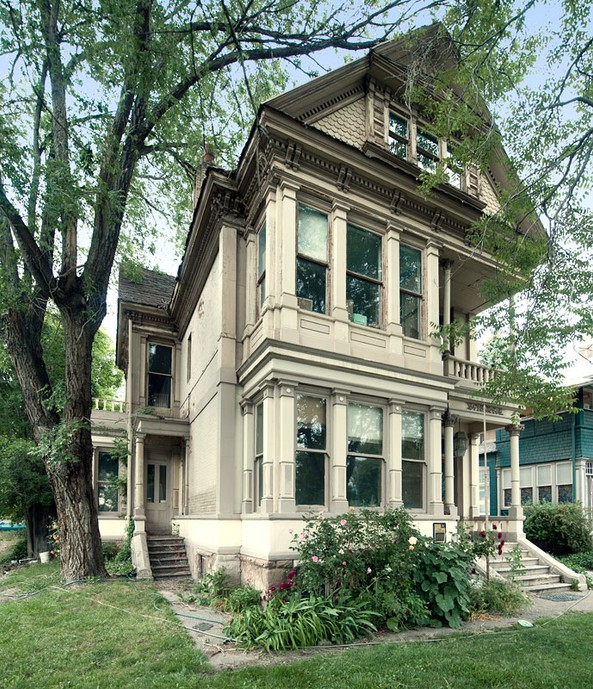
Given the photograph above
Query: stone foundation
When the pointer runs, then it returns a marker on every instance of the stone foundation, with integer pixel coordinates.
(263, 573)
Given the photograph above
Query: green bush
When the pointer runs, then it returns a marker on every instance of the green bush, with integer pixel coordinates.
(296, 622)
(109, 550)
(497, 596)
(19, 550)
(559, 529)
(212, 589)
(240, 598)
(120, 563)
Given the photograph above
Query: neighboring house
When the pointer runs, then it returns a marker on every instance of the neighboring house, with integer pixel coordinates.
(290, 366)
(556, 462)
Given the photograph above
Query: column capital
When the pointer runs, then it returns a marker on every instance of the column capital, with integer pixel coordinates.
(435, 414)
(395, 406)
(446, 263)
(340, 396)
(139, 437)
(268, 389)
(338, 207)
(449, 420)
(514, 429)
(287, 388)
(246, 407)
(289, 188)
(474, 438)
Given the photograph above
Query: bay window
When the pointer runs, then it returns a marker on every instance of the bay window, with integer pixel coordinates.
(312, 259)
(160, 358)
(311, 450)
(413, 459)
(364, 464)
(410, 276)
(363, 276)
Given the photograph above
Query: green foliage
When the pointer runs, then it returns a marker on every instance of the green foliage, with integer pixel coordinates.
(497, 596)
(19, 550)
(559, 529)
(299, 622)
(23, 481)
(121, 563)
(212, 589)
(241, 597)
(579, 562)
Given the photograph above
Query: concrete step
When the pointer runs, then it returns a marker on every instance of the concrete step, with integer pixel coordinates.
(168, 557)
(535, 579)
(172, 575)
(546, 588)
(504, 563)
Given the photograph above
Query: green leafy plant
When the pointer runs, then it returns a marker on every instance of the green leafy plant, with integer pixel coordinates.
(212, 589)
(515, 563)
(242, 597)
(18, 550)
(559, 529)
(121, 564)
(497, 596)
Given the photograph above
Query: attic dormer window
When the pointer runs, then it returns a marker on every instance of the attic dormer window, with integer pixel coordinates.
(398, 135)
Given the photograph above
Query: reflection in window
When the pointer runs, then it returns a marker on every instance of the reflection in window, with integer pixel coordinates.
(413, 459)
(259, 453)
(364, 466)
(162, 483)
(527, 496)
(107, 481)
(150, 470)
(544, 493)
(398, 135)
(159, 375)
(363, 276)
(310, 455)
(454, 171)
(261, 267)
(312, 258)
(410, 281)
(427, 150)
(565, 493)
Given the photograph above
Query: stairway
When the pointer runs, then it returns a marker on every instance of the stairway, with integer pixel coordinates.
(167, 556)
(536, 577)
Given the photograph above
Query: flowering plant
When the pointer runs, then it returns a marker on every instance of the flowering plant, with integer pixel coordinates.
(53, 540)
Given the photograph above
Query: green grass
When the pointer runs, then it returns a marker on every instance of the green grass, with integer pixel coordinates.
(117, 635)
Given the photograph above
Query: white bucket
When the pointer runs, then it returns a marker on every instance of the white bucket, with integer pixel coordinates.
(44, 557)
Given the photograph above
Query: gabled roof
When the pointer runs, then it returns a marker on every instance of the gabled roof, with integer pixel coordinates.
(149, 288)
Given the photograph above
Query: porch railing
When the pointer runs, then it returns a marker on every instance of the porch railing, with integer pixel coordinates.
(102, 404)
(467, 370)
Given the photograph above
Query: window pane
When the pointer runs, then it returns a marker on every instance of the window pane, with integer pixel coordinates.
(526, 496)
(412, 484)
(259, 429)
(565, 493)
(398, 135)
(365, 429)
(410, 268)
(410, 315)
(545, 493)
(310, 422)
(261, 251)
(259, 480)
(413, 435)
(310, 478)
(453, 170)
(150, 483)
(364, 481)
(363, 252)
(262, 292)
(427, 150)
(159, 390)
(507, 497)
(312, 233)
(162, 483)
(364, 299)
(108, 467)
(311, 283)
(159, 358)
(108, 497)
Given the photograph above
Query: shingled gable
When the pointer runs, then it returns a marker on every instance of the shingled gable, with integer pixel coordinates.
(153, 289)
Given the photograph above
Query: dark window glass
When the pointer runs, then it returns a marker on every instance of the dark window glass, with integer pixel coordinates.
(310, 458)
(412, 484)
(159, 358)
(507, 497)
(162, 483)
(159, 375)
(413, 435)
(427, 150)
(545, 493)
(398, 135)
(565, 493)
(410, 315)
(363, 276)
(261, 266)
(410, 277)
(364, 301)
(150, 483)
(363, 488)
(363, 252)
(311, 283)
(259, 453)
(526, 496)
(107, 483)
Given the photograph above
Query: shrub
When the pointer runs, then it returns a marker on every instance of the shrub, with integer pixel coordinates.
(497, 596)
(242, 597)
(212, 589)
(295, 622)
(558, 529)
(121, 563)
(579, 562)
(109, 550)
(19, 550)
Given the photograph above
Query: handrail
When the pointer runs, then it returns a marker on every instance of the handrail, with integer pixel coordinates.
(467, 370)
(103, 404)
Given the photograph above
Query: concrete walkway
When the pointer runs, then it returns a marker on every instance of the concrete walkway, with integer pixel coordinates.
(205, 625)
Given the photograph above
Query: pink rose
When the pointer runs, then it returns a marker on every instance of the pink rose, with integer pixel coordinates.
(315, 558)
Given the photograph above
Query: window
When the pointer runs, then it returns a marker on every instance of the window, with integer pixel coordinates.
(454, 172)
(363, 276)
(108, 483)
(564, 481)
(159, 375)
(398, 135)
(310, 454)
(410, 281)
(312, 259)
(364, 465)
(413, 459)
(427, 150)
(259, 453)
(261, 267)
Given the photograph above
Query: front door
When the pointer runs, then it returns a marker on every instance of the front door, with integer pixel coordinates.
(158, 495)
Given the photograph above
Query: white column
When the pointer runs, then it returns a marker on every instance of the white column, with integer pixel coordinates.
(250, 280)
(286, 236)
(432, 290)
(186, 460)
(339, 452)
(139, 509)
(516, 510)
(339, 222)
(267, 503)
(394, 458)
(247, 505)
(435, 469)
(449, 425)
(287, 439)
(447, 264)
(474, 481)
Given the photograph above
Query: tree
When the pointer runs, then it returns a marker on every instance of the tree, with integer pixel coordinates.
(25, 493)
(99, 100)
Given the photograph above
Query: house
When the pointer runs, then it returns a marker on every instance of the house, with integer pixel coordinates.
(291, 365)
(556, 457)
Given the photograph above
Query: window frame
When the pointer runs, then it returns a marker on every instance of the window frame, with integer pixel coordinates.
(261, 270)
(258, 459)
(394, 138)
(423, 152)
(366, 278)
(423, 462)
(368, 455)
(324, 452)
(113, 482)
(159, 343)
(305, 258)
(405, 291)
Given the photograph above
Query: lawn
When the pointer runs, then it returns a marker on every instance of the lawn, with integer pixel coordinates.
(118, 635)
